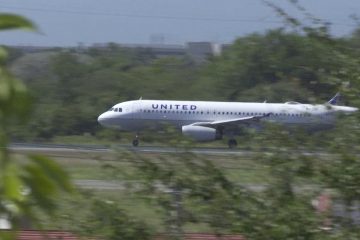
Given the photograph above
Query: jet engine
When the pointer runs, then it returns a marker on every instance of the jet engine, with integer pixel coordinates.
(200, 133)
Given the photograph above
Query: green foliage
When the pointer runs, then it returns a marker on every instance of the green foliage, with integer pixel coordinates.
(14, 100)
(11, 21)
(342, 176)
(272, 58)
(109, 221)
(30, 186)
(194, 194)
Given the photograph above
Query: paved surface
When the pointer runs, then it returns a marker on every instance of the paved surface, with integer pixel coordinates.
(140, 149)
(102, 185)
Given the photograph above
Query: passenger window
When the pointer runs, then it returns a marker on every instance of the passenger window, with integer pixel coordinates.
(120, 109)
(116, 109)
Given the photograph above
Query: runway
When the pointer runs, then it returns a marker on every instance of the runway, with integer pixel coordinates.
(150, 149)
(45, 148)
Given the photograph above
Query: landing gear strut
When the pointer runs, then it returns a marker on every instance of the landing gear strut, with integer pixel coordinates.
(135, 142)
(232, 143)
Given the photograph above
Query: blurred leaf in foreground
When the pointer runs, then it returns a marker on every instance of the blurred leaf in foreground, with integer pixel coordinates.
(25, 188)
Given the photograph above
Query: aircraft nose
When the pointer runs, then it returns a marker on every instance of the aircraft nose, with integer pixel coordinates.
(101, 119)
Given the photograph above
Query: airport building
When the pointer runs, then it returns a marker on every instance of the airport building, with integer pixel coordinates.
(198, 51)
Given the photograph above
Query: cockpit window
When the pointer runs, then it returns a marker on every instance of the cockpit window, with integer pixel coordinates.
(117, 109)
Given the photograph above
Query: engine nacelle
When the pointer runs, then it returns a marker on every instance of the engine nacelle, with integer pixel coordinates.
(200, 133)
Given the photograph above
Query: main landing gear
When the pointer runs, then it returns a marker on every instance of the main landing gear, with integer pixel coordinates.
(136, 141)
(232, 143)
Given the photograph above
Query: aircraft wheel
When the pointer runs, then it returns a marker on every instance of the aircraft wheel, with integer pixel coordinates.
(135, 142)
(232, 143)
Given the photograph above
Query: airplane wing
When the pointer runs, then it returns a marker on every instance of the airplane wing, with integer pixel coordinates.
(230, 123)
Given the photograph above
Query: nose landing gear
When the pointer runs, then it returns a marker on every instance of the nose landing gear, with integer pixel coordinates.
(232, 143)
(136, 141)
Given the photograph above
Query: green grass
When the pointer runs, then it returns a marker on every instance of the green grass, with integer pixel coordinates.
(118, 166)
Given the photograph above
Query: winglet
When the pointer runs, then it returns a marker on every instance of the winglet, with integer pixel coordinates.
(334, 100)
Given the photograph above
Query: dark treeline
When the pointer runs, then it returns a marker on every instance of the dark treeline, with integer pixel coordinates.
(70, 89)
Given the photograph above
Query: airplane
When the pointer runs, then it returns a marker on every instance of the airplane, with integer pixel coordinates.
(208, 121)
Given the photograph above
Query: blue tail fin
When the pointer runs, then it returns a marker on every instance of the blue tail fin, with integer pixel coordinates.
(335, 99)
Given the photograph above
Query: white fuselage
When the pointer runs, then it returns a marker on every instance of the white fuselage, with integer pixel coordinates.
(141, 114)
